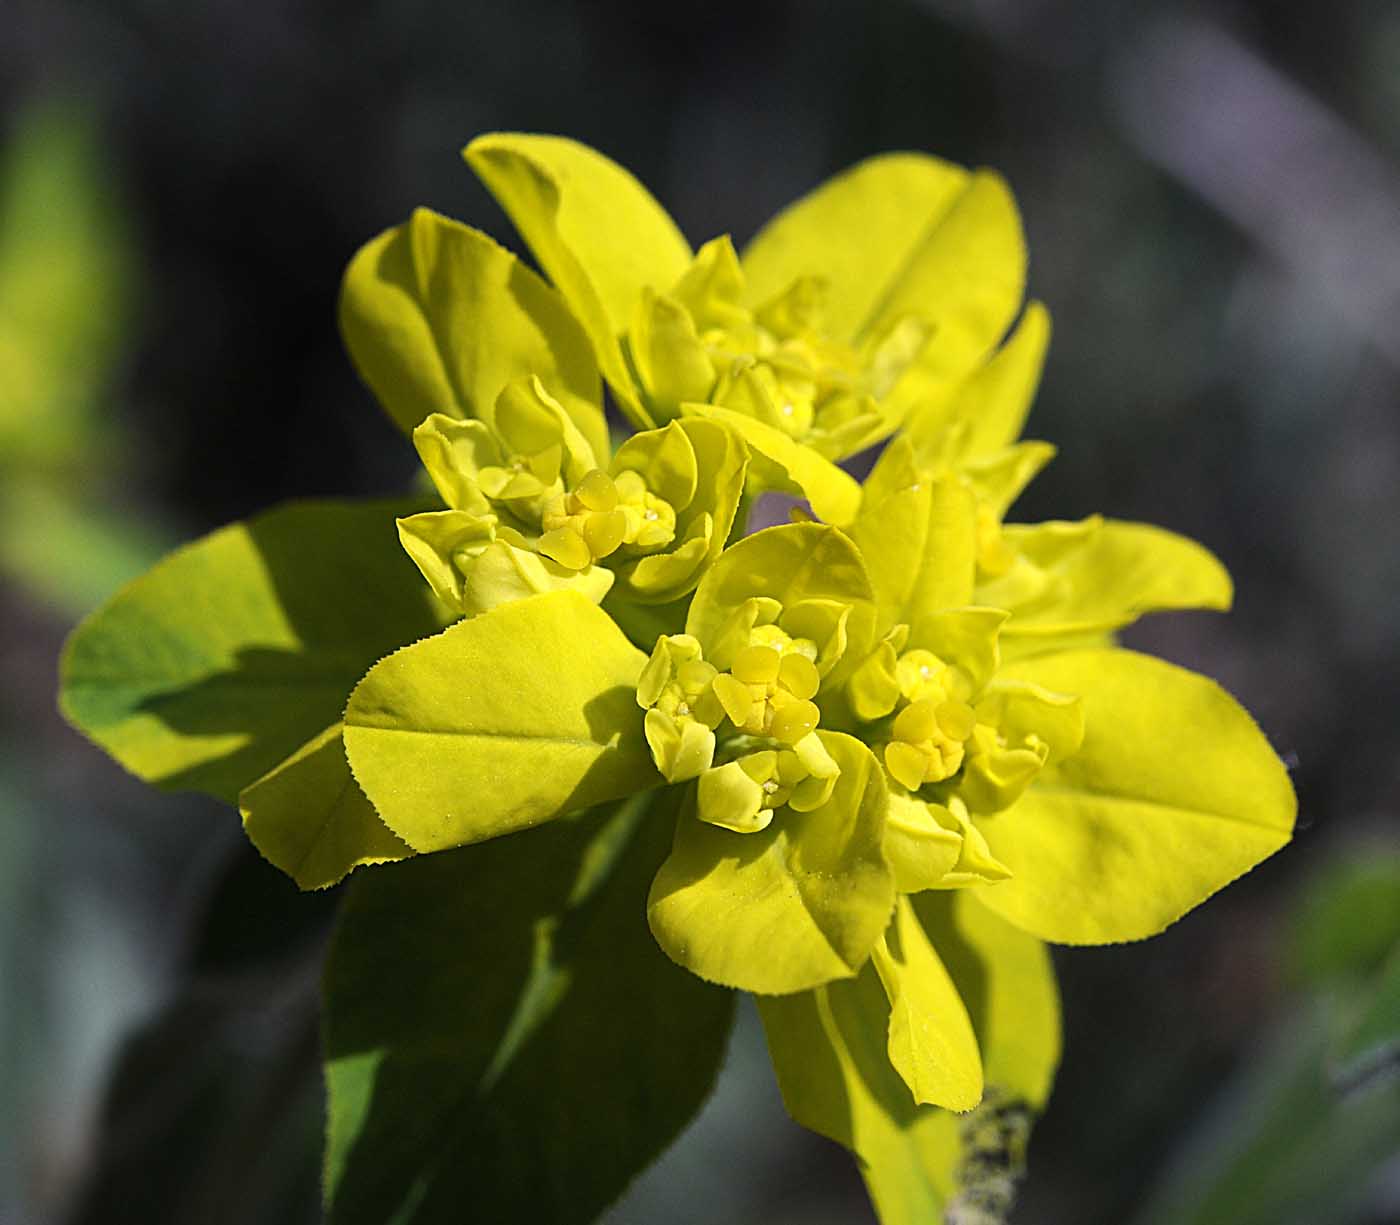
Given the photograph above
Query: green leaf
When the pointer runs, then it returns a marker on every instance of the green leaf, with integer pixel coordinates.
(235, 650)
(1348, 920)
(66, 288)
(1371, 1044)
(439, 318)
(308, 817)
(1174, 793)
(830, 1053)
(504, 1040)
(1280, 1145)
(858, 232)
(1076, 578)
(782, 464)
(66, 551)
(598, 234)
(797, 904)
(502, 721)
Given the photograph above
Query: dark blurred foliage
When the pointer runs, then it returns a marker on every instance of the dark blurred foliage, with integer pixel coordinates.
(1212, 199)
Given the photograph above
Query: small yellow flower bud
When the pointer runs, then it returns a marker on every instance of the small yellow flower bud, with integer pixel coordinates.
(905, 763)
(596, 491)
(793, 721)
(567, 547)
(917, 721)
(956, 719)
(757, 665)
(631, 487)
(735, 697)
(799, 676)
(695, 674)
(603, 531)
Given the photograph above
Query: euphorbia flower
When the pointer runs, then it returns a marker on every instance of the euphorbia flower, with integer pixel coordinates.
(879, 291)
(532, 508)
(898, 748)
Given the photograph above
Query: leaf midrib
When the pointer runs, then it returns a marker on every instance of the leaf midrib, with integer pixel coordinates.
(1143, 802)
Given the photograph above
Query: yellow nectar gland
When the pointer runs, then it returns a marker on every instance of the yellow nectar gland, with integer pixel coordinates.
(769, 693)
(585, 524)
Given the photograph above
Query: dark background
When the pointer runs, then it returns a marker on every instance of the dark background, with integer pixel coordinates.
(1213, 207)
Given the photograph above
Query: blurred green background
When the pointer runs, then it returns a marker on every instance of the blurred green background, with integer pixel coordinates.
(1212, 196)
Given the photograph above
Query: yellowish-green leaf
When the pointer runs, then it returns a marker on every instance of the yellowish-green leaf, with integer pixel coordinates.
(1005, 978)
(791, 563)
(931, 1043)
(67, 553)
(782, 464)
(712, 288)
(920, 851)
(1082, 578)
(917, 536)
(236, 649)
(1000, 477)
(858, 232)
(966, 278)
(308, 817)
(784, 909)
(1174, 793)
(439, 318)
(598, 234)
(989, 410)
(829, 1049)
(830, 1053)
(500, 722)
(670, 358)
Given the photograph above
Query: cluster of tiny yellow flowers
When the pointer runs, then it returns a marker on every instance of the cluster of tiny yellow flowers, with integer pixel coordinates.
(768, 693)
(601, 515)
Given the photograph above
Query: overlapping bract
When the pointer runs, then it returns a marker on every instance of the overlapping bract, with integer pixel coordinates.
(899, 743)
